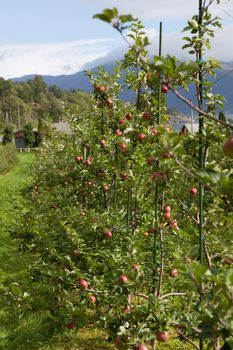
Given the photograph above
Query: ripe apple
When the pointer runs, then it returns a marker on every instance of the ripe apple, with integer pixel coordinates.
(152, 229)
(79, 158)
(88, 162)
(121, 122)
(83, 283)
(157, 176)
(108, 234)
(147, 116)
(100, 88)
(124, 176)
(150, 160)
(193, 191)
(92, 299)
(174, 224)
(228, 261)
(103, 143)
(136, 266)
(123, 279)
(118, 132)
(129, 116)
(119, 343)
(145, 234)
(123, 147)
(141, 346)
(227, 147)
(167, 209)
(174, 273)
(162, 336)
(109, 102)
(164, 89)
(167, 215)
(71, 325)
(141, 136)
(153, 131)
(105, 188)
(126, 309)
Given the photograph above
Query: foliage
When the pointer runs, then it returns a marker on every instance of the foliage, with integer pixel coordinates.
(114, 227)
(29, 136)
(7, 157)
(27, 102)
(7, 134)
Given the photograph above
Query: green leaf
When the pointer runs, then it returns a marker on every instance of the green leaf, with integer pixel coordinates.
(210, 175)
(127, 18)
(108, 13)
(102, 17)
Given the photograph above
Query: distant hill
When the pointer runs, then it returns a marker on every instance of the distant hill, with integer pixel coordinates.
(224, 86)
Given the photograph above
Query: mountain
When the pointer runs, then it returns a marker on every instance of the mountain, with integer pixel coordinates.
(224, 87)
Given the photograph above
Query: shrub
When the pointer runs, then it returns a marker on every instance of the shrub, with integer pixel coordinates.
(8, 157)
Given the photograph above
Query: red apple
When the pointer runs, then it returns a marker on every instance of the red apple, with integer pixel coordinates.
(103, 143)
(119, 344)
(162, 337)
(100, 88)
(124, 176)
(118, 132)
(227, 147)
(129, 116)
(126, 309)
(152, 229)
(153, 131)
(145, 234)
(108, 234)
(123, 147)
(121, 122)
(123, 279)
(174, 273)
(164, 89)
(167, 215)
(150, 160)
(71, 325)
(167, 209)
(136, 266)
(105, 188)
(79, 158)
(109, 102)
(228, 261)
(141, 346)
(83, 283)
(147, 116)
(92, 299)
(157, 176)
(174, 224)
(88, 162)
(194, 191)
(141, 136)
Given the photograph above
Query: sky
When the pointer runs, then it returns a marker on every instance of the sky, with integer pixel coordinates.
(55, 37)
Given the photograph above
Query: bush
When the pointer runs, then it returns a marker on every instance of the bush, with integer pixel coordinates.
(7, 157)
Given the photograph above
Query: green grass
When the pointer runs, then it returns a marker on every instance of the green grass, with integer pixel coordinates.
(31, 332)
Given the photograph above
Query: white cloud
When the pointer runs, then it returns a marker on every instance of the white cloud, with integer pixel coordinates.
(172, 45)
(50, 59)
(161, 9)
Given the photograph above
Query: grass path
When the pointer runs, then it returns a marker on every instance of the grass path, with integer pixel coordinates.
(11, 200)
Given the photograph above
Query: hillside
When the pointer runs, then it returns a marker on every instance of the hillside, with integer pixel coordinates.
(224, 85)
(30, 99)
